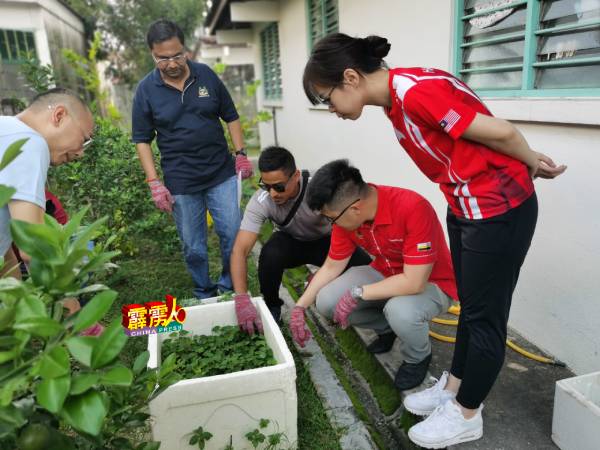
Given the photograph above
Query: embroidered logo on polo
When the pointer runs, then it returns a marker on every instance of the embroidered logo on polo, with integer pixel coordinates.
(203, 92)
(424, 246)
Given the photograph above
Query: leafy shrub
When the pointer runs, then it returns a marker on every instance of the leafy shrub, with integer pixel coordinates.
(58, 389)
(227, 350)
(110, 179)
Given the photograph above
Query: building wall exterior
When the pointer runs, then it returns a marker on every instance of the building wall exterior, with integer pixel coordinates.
(54, 27)
(556, 302)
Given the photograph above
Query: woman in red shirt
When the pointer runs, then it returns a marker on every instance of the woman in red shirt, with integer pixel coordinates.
(484, 167)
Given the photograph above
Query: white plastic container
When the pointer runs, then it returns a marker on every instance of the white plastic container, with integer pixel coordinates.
(230, 405)
(576, 419)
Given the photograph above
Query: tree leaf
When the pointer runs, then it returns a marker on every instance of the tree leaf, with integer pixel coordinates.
(39, 326)
(94, 310)
(85, 412)
(30, 306)
(12, 152)
(82, 382)
(51, 393)
(6, 193)
(117, 376)
(55, 363)
(87, 290)
(11, 416)
(38, 240)
(108, 345)
(81, 348)
(141, 362)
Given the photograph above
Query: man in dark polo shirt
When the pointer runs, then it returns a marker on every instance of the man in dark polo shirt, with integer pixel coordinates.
(301, 235)
(180, 103)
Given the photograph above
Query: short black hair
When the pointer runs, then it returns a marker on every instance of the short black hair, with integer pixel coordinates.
(276, 158)
(162, 30)
(334, 185)
(58, 95)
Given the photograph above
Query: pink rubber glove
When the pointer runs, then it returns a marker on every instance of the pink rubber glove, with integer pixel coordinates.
(246, 313)
(243, 164)
(161, 195)
(345, 305)
(300, 333)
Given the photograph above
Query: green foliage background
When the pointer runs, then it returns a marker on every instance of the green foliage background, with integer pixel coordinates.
(109, 179)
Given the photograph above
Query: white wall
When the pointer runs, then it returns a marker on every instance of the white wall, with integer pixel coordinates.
(556, 304)
(557, 301)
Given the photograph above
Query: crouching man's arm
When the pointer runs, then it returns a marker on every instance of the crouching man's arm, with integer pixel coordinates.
(329, 271)
(412, 281)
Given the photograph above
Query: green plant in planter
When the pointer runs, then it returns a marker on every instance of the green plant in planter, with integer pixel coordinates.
(60, 390)
(256, 437)
(227, 350)
(200, 437)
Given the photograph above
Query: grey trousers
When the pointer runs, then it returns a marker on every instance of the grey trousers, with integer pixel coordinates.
(407, 315)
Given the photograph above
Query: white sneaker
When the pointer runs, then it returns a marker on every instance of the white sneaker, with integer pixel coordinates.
(447, 426)
(424, 402)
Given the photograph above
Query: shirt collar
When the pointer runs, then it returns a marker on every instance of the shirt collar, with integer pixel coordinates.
(383, 215)
(160, 82)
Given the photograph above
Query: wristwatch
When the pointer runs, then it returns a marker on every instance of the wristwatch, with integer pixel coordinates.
(241, 151)
(356, 292)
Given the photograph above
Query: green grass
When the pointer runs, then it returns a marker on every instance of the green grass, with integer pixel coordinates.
(347, 385)
(386, 394)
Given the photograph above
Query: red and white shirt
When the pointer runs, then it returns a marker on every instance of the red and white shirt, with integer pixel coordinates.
(405, 230)
(430, 111)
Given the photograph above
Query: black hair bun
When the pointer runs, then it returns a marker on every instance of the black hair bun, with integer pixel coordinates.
(377, 46)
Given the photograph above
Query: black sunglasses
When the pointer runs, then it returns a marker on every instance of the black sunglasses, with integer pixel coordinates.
(332, 220)
(277, 187)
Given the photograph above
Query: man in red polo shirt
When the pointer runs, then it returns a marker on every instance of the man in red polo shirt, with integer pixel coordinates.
(409, 281)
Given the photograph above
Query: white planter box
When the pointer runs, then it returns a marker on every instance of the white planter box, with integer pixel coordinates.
(576, 419)
(231, 405)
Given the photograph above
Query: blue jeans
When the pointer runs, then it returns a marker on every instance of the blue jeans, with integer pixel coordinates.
(190, 217)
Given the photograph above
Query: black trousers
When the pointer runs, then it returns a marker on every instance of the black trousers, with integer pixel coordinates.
(282, 252)
(487, 256)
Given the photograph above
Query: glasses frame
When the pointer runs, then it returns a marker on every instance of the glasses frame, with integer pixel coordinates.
(277, 187)
(176, 58)
(327, 100)
(333, 220)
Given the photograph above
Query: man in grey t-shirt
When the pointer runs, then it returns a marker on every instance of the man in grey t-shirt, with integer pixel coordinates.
(57, 126)
(301, 235)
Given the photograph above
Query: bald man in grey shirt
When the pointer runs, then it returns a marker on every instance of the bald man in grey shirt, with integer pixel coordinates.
(301, 236)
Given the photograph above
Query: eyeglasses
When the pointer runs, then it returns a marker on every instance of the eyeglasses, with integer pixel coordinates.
(327, 100)
(277, 187)
(86, 140)
(163, 61)
(333, 220)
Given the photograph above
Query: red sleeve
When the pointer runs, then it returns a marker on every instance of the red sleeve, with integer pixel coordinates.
(436, 106)
(422, 235)
(342, 246)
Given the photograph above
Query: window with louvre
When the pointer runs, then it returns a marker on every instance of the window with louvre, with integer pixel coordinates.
(529, 47)
(269, 40)
(15, 45)
(322, 19)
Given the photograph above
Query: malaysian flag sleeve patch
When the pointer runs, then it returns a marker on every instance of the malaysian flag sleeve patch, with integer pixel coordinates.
(449, 120)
